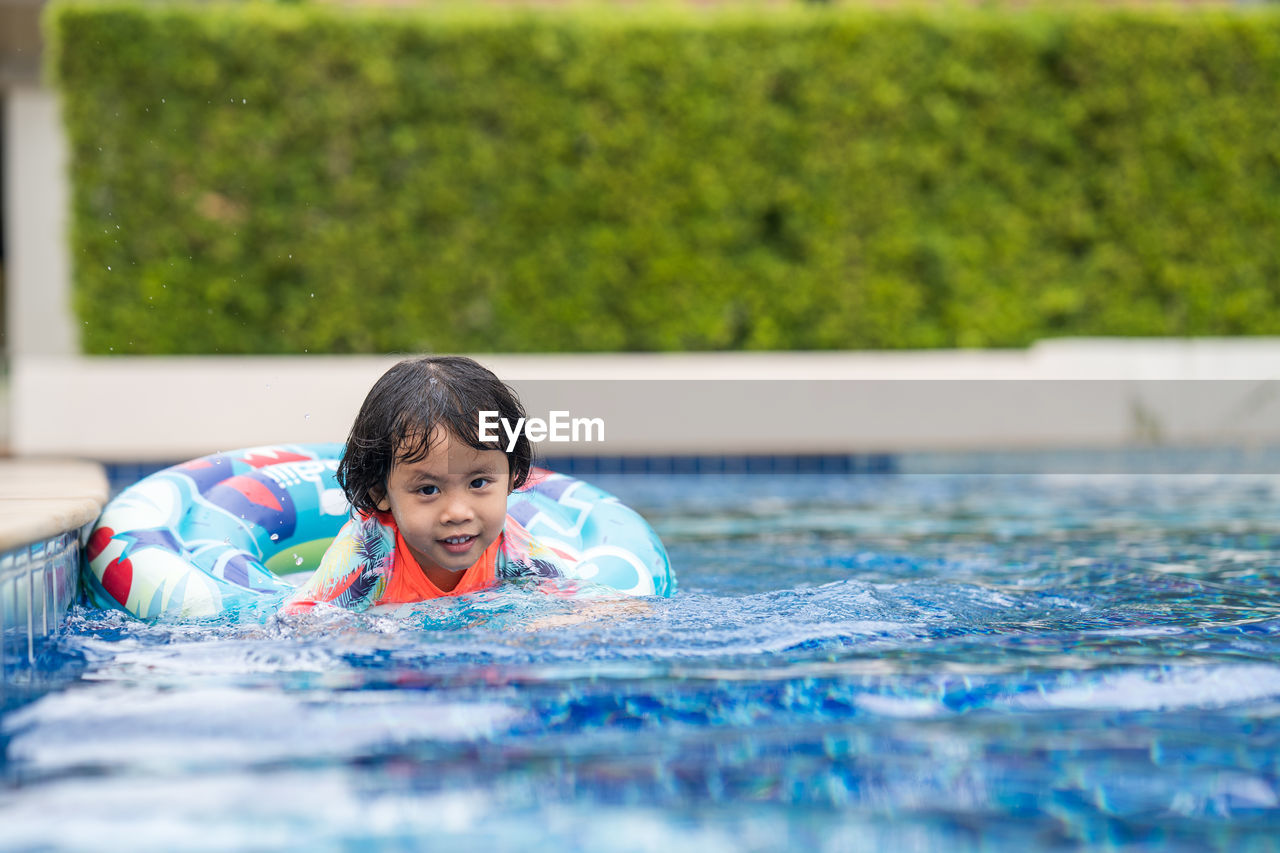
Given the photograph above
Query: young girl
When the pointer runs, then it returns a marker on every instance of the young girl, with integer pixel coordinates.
(429, 499)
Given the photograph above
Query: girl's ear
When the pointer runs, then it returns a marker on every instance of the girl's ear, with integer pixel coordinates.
(380, 500)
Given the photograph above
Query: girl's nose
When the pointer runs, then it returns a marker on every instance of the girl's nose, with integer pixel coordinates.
(457, 509)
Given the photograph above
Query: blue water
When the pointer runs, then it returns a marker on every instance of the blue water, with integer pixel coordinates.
(895, 663)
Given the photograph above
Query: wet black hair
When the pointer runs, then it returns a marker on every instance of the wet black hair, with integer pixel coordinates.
(406, 407)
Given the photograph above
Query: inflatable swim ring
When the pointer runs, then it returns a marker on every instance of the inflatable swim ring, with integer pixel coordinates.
(209, 535)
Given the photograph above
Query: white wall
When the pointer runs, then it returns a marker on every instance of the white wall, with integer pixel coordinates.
(1058, 394)
(36, 204)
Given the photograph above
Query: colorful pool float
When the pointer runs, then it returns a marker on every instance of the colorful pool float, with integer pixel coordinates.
(210, 535)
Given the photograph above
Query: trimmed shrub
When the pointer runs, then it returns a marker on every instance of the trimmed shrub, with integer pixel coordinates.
(274, 179)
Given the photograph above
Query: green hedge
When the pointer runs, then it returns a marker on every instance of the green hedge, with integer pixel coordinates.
(269, 179)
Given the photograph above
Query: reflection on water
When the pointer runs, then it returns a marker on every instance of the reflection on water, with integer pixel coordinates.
(915, 662)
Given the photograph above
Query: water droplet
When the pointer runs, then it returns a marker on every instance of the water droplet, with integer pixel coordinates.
(297, 561)
(162, 100)
(291, 257)
(243, 101)
(275, 537)
(313, 296)
(108, 267)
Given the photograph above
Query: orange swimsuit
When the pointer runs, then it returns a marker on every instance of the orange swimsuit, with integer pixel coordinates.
(408, 583)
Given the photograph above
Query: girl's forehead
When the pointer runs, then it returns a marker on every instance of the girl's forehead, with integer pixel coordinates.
(417, 443)
(445, 455)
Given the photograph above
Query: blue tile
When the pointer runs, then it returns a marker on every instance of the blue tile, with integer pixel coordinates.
(684, 465)
(121, 475)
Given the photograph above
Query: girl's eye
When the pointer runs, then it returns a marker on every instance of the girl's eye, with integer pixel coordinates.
(479, 483)
(428, 490)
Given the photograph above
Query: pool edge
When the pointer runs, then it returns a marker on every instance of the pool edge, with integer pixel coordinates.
(46, 505)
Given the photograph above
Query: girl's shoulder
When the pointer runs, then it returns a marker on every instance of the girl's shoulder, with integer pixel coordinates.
(355, 569)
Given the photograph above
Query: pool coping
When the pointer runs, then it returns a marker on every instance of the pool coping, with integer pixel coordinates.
(42, 498)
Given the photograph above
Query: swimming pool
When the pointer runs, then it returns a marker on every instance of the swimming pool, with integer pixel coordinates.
(915, 662)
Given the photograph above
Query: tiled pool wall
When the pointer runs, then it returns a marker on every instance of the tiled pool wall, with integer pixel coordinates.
(38, 582)
(1157, 459)
(121, 475)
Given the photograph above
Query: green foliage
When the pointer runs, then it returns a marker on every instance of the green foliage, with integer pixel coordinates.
(280, 178)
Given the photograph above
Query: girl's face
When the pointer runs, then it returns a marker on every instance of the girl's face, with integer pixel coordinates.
(450, 506)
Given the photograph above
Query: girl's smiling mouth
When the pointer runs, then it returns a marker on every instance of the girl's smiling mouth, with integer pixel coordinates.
(458, 544)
